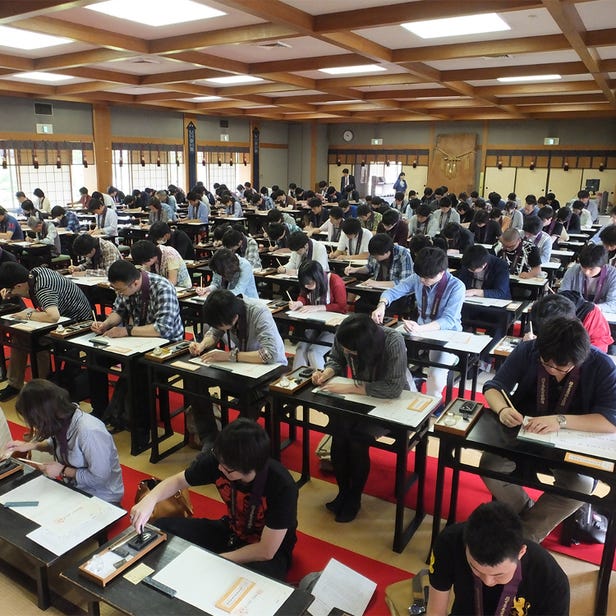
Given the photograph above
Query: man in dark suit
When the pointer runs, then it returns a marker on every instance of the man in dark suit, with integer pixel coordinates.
(347, 180)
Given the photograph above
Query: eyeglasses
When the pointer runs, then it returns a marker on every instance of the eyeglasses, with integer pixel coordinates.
(555, 368)
(223, 466)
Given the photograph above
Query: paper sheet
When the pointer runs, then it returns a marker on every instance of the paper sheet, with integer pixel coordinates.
(5, 433)
(201, 579)
(487, 301)
(341, 587)
(323, 316)
(32, 325)
(124, 346)
(474, 343)
(254, 371)
(66, 518)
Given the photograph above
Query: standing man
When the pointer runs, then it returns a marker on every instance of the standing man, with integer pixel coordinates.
(346, 180)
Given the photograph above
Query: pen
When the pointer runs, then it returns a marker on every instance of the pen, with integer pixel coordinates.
(507, 399)
(531, 328)
(94, 315)
(278, 261)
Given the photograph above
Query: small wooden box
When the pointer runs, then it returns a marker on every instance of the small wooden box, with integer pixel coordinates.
(107, 564)
(278, 305)
(456, 420)
(9, 467)
(168, 351)
(292, 381)
(76, 329)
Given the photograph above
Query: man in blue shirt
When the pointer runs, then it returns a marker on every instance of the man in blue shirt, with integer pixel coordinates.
(439, 297)
(10, 229)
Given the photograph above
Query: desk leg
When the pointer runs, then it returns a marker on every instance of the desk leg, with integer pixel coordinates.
(42, 588)
(305, 447)
(443, 451)
(605, 568)
(94, 608)
(274, 427)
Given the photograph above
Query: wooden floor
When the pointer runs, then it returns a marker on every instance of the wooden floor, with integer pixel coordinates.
(369, 534)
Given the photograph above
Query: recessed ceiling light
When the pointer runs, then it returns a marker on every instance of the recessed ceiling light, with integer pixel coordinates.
(22, 39)
(156, 12)
(528, 78)
(342, 102)
(457, 26)
(348, 70)
(40, 76)
(233, 79)
(206, 99)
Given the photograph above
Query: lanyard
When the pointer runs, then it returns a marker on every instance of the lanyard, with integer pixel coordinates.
(440, 290)
(600, 284)
(570, 383)
(505, 602)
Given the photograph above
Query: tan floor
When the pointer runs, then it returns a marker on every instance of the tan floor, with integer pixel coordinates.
(370, 534)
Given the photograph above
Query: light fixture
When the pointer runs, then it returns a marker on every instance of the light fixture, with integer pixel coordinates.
(601, 167)
(338, 162)
(142, 160)
(84, 161)
(35, 162)
(230, 162)
(41, 76)
(386, 163)
(58, 161)
(414, 165)
(177, 161)
(5, 163)
(245, 161)
(121, 161)
(528, 78)
(219, 162)
(363, 163)
(156, 12)
(499, 164)
(234, 79)
(18, 39)
(566, 166)
(158, 159)
(532, 166)
(205, 99)
(457, 26)
(349, 70)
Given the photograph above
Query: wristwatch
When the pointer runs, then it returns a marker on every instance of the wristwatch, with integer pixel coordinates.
(129, 330)
(562, 421)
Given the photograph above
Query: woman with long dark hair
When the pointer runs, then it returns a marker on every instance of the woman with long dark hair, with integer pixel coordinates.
(377, 359)
(318, 291)
(85, 455)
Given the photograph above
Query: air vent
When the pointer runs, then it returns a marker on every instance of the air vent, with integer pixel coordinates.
(43, 109)
(274, 44)
(497, 56)
(144, 61)
(224, 124)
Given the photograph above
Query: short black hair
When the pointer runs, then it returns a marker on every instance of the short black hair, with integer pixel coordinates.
(12, 273)
(532, 225)
(423, 209)
(158, 230)
(297, 240)
(531, 199)
(232, 237)
(545, 212)
(123, 271)
(363, 209)
(563, 213)
(143, 251)
(84, 244)
(578, 205)
(430, 262)
(27, 206)
(225, 263)
(583, 194)
(475, 256)
(315, 202)
(243, 445)
(593, 255)
(608, 235)
(563, 340)
(274, 216)
(550, 307)
(380, 243)
(390, 217)
(481, 217)
(351, 226)
(445, 202)
(399, 195)
(57, 210)
(493, 533)
(417, 242)
(221, 307)
(275, 230)
(94, 204)
(336, 212)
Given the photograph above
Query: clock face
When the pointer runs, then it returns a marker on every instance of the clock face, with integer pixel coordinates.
(347, 135)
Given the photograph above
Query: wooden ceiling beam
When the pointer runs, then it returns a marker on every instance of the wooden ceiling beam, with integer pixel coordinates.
(79, 58)
(534, 88)
(178, 76)
(18, 9)
(290, 78)
(551, 99)
(86, 86)
(475, 74)
(210, 61)
(16, 63)
(276, 12)
(306, 64)
(411, 93)
(100, 75)
(368, 81)
(26, 88)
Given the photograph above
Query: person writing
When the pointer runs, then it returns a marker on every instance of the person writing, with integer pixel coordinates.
(562, 383)
(85, 455)
(258, 530)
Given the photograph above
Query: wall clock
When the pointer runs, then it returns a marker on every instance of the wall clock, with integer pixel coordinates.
(347, 135)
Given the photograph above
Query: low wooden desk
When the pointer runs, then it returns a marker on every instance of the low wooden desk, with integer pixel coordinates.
(488, 434)
(141, 600)
(408, 436)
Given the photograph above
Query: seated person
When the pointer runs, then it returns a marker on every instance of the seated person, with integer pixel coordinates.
(333, 225)
(376, 357)
(53, 296)
(161, 233)
(278, 234)
(65, 219)
(85, 454)
(424, 221)
(490, 566)
(348, 210)
(454, 237)
(198, 210)
(230, 207)
(258, 531)
(99, 254)
(571, 304)
(353, 241)
(446, 214)
(318, 290)
(552, 226)
(579, 208)
(521, 255)
(439, 297)
(393, 224)
(304, 249)
(512, 217)
(243, 245)
(28, 209)
(607, 237)
(318, 215)
(368, 218)
(577, 391)
(162, 260)
(106, 219)
(230, 272)
(483, 274)
(532, 229)
(466, 213)
(570, 220)
(10, 229)
(277, 215)
(45, 233)
(593, 278)
(530, 207)
(486, 230)
(159, 212)
(248, 328)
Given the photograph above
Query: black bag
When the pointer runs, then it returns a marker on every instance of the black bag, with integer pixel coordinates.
(586, 525)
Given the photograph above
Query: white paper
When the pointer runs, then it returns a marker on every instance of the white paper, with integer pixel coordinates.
(341, 587)
(126, 346)
(201, 579)
(322, 316)
(5, 433)
(33, 325)
(66, 517)
(462, 341)
(243, 368)
(487, 301)
(88, 281)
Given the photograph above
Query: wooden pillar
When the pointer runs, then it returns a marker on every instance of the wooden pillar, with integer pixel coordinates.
(101, 125)
(190, 154)
(314, 134)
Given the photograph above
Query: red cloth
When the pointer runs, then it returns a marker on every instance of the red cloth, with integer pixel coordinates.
(598, 329)
(337, 295)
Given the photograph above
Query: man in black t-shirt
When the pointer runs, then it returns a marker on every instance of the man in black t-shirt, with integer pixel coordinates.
(260, 494)
(487, 562)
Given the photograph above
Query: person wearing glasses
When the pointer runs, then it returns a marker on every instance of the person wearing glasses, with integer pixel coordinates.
(562, 383)
(258, 530)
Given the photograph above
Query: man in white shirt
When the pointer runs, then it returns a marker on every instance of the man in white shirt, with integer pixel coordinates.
(304, 249)
(353, 241)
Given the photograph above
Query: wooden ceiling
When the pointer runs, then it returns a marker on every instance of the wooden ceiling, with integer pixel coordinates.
(285, 42)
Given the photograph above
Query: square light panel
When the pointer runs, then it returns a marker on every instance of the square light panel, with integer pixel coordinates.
(234, 79)
(350, 70)
(156, 12)
(26, 40)
(40, 76)
(457, 26)
(206, 99)
(528, 78)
